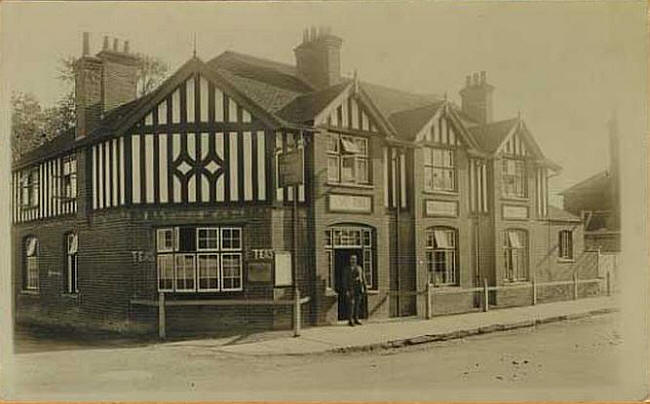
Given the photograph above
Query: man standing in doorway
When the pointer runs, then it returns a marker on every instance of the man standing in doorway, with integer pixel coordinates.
(355, 288)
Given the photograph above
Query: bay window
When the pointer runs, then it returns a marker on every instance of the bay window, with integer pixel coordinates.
(347, 159)
(513, 174)
(439, 169)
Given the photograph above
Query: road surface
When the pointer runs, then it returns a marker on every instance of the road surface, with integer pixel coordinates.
(571, 360)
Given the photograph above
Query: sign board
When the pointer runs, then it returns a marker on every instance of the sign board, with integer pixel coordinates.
(441, 208)
(283, 268)
(350, 203)
(515, 212)
(290, 168)
(261, 254)
(259, 272)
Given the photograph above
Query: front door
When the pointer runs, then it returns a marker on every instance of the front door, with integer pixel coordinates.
(341, 261)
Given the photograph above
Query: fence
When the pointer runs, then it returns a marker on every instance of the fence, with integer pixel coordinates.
(533, 286)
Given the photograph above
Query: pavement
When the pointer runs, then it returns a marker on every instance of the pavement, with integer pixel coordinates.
(397, 333)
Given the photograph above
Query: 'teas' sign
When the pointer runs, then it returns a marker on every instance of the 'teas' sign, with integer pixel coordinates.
(290, 168)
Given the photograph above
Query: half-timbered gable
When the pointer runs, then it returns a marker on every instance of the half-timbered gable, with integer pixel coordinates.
(197, 142)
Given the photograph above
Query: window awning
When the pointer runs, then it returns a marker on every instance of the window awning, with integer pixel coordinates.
(32, 243)
(349, 146)
(514, 239)
(441, 238)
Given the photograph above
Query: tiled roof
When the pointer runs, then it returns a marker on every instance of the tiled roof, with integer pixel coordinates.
(58, 144)
(561, 215)
(305, 107)
(409, 122)
(491, 135)
(389, 100)
(596, 182)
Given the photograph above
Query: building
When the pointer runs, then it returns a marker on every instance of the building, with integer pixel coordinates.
(176, 194)
(597, 200)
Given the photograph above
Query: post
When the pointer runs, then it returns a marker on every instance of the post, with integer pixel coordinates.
(161, 315)
(296, 314)
(534, 292)
(294, 262)
(575, 286)
(429, 312)
(609, 283)
(486, 301)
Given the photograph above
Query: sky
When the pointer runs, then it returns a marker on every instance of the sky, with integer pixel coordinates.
(565, 66)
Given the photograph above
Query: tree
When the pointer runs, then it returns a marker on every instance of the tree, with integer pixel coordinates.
(33, 125)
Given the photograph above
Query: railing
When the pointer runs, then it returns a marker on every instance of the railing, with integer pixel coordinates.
(430, 291)
(162, 303)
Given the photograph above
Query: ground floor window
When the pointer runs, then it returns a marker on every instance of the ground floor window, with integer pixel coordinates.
(72, 269)
(30, 274)
(441, 256)
(566, 244)
(199, 259)
(515, 255)
(341, 242)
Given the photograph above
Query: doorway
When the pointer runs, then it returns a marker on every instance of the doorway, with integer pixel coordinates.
(341, 261)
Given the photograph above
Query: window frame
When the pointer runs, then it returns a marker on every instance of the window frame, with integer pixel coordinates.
(31, 265)
(338, 155)
(366, 243)
(431, 251)
(217, 238)
(198, 272)
(520, 177)
(70, 177)
(72, 265)
(565, 245)
(29, 183)
(522, 256)
(241, 272)
(429, 164)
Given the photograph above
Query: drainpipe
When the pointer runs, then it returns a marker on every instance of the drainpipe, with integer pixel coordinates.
(398, 203)
(548, 219)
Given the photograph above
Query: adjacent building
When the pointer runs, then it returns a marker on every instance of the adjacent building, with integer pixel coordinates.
(177, 193)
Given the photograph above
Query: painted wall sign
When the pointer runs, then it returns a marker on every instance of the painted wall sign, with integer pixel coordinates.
(259, 272)
(350, 203)
(283, 269)
(441, 208)
(262, 253)
(515, 212)
(142, 256)
(290, 168)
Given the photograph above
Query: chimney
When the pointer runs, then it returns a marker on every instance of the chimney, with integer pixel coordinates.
(477, 98)
(318, 57)
(102, 82)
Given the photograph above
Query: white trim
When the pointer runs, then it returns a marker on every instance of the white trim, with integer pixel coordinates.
(183, 256)
(241, 273)
(208, 228)
(241, 242)
(158, 247)
(198, 271)
(321, 117)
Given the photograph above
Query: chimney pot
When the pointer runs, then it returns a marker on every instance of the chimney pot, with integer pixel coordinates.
(86, 44)
(105, 46)
(115, 44)
(483, 77)
(475, 78)
(126, 46)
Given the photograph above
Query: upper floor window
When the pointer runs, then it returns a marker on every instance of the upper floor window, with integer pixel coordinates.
(515, 254)
(513, 176)
(347, 159)
(69, 177)
(30, 273)
(441, 256)
(71, 279)
(29, 189)
(566, 244)
(439, 169)
(203, 259)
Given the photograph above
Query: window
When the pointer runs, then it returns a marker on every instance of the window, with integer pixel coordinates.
(566, 244)
(359, 238)
(203, 259)
(515, 253)
(439, 169)
(29, 192)
(69, 178)
(513, 174)
(30, 275)
(441, 256)
(72, 277)
(347, 159)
